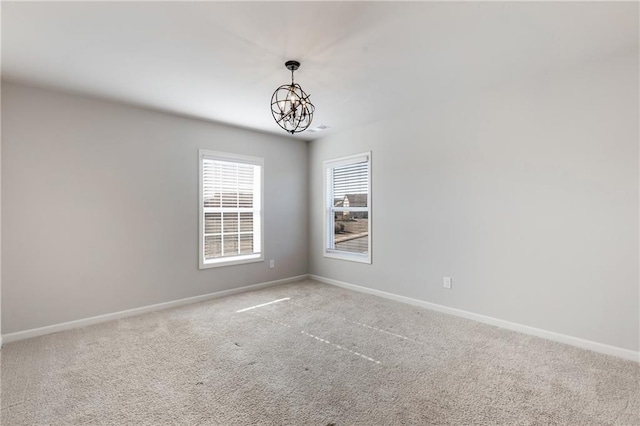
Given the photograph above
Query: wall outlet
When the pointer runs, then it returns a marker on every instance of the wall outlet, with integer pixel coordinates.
(272, 264)
(446, 282)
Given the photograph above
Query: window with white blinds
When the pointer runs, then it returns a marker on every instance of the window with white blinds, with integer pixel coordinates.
(230, 209)
(348, 208)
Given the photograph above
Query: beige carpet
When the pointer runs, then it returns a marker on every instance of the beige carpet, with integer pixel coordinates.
(323, 356)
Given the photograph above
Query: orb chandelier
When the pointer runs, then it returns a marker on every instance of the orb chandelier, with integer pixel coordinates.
(290, 105)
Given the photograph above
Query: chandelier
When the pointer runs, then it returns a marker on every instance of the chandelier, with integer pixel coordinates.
(290, 105)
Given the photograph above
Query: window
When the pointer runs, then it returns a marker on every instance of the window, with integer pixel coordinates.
(230, 209)
(348, 208)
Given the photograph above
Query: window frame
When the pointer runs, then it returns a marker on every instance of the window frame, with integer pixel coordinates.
(329, 215)
(238, 259)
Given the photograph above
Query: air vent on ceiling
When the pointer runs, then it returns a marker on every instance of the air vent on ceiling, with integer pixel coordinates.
(319, 128)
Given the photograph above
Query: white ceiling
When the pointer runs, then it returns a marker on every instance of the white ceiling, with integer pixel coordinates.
(360, 60)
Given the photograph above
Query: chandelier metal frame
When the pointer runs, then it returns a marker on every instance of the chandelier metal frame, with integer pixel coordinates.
(290, 105)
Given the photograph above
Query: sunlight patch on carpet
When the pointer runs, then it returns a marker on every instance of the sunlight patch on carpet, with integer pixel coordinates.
(384, 331)
(262, 304)
(340, 347)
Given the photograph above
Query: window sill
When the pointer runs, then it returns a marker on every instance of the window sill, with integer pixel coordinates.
(236, 260)
(351, 257)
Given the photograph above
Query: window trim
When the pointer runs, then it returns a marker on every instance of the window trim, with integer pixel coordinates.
(231, 260)
(328, 205)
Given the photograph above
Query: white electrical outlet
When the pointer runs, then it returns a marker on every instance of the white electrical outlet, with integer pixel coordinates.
(272, 264)
(446, 282)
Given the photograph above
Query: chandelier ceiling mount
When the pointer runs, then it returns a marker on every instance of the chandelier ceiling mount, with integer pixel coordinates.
(292, 66)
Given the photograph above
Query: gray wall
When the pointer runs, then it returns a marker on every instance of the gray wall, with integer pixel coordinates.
(100, 207)
(0, 227)
(526, 194)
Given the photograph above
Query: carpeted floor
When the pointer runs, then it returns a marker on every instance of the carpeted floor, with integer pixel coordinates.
(324, 355)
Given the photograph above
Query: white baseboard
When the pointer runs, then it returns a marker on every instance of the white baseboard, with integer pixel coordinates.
(549, 335)
(34, 332)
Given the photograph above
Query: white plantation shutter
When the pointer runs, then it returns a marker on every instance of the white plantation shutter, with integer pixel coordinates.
(348, 208)
(231, 208)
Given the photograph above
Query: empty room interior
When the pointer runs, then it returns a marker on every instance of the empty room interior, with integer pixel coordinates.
(320, 213)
